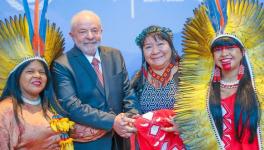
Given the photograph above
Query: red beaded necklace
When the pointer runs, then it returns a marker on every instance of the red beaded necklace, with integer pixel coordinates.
(166, 74)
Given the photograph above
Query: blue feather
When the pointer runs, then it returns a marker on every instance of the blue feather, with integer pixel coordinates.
(43, 21)
(214, 14)
(223, 4)
(27, 11)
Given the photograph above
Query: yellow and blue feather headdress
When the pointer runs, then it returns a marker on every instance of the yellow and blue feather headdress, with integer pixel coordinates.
(21, 42)
(240, 19)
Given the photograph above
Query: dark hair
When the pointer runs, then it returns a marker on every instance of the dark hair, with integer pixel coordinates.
(226, 41)
(12, 89)
(246, 109)
(156, 32)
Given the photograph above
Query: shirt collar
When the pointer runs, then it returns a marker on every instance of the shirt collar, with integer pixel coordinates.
(97, 56)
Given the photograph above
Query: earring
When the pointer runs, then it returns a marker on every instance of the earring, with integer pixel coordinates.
(217, 76)
(240, 72)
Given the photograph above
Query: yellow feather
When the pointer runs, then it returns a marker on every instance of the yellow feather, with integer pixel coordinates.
(191, 106)
(246, 21)
(15, 45)
(54, 43)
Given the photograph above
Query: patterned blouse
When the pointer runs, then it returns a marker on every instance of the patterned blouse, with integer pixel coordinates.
(229, 139)
(158, 98)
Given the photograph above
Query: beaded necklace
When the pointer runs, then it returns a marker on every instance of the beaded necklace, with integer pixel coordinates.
(164, 77)
(233, 84)
(229, 85)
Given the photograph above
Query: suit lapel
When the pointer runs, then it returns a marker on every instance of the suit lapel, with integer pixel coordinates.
(105, 60)
(83, 61)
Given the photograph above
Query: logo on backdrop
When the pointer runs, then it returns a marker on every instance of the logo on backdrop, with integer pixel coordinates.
(18, 4)
(132, 4)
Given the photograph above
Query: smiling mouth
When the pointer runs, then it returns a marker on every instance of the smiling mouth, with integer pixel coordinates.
(156, 58)
(226, 61)
(36, 83)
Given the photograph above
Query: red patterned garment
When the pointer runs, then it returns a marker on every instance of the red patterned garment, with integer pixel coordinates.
(229, 140)
(151, 137)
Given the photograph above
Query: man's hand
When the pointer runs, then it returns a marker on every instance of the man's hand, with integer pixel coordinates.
(123, 125)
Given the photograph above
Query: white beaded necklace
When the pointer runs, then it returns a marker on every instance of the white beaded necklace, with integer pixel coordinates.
(229, 85)
(31, 102)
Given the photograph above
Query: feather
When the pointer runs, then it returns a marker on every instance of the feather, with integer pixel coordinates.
(245, 20)
(36, 40)
(198, 34)
(43, 21)
(30, 26)
(15, 45)
(54, 43)
(217, 13)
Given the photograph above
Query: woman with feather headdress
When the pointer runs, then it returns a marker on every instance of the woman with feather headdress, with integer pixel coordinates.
(221, 84)
(28, 119)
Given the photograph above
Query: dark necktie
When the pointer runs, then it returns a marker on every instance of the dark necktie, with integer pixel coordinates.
(95, 63)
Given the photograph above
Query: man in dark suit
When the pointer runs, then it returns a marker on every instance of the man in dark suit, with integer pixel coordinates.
(95, 94)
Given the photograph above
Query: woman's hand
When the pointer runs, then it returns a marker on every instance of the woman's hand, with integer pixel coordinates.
(173, 128)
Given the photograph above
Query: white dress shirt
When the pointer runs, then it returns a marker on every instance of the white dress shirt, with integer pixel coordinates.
(90, 59)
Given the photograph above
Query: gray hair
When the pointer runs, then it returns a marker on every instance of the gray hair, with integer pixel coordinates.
(84, 13)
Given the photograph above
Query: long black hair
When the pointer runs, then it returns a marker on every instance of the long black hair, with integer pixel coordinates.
(12, 90)
(246, 109)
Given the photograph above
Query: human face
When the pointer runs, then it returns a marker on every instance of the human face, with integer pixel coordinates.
(86, 34)
(157, 52)
(33, 80)
(227, 57)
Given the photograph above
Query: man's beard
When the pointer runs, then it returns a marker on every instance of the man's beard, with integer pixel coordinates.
(90, 49)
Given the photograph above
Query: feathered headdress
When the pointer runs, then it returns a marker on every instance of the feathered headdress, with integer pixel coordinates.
(21, 42)
(240, 19)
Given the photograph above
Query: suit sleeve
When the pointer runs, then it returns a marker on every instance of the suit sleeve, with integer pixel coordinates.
(78, 112)
(130, 101)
